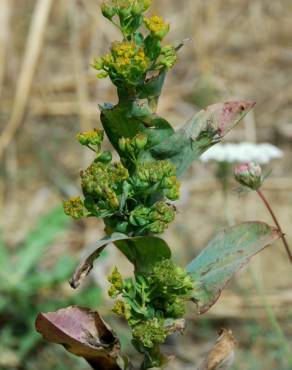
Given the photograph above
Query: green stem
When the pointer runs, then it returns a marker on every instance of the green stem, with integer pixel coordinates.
(268, 206)
(153, 358)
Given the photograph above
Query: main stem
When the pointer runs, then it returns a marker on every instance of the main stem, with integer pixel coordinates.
(267, 204)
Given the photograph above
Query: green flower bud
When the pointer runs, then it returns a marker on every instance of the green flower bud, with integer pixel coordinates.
(111, 197)
(98, 64)
(117, 283)
(173, 193)
(175, 309)
(101, 75)
(157, 227)
(105, 157)
(140, 6)
(150, 333)
(116, 279)
(122, 309)
(249, 175)
(175, 279)
(163, 211)
(122, 144)
(168, 56)
(140, 216)
(140, 141)
(108, 11)
(146, 4)
(113, 292)
(74, 207)
(94, 137)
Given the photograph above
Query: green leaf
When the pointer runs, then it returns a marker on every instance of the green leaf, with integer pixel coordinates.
(142, 251)
(225, 255)
(207, 128)
(86, 264)
(129, 119)
(152, 47)
(152, 88)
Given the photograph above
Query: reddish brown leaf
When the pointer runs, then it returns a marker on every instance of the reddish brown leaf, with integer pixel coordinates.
(83, 333)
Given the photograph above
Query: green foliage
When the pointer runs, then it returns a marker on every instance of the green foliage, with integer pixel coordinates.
(227, 253)
(150, 301)
(26, 288)
(131, 200)
(139, 54)
(142, 251)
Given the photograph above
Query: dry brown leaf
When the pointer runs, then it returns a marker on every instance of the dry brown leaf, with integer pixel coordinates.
(83, 333)
(221, 355)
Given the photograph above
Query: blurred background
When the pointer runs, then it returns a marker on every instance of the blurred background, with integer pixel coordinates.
(238, 50)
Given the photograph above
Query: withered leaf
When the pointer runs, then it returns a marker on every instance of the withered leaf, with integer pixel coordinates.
(221, 355)
(83, 333)
(86, 264)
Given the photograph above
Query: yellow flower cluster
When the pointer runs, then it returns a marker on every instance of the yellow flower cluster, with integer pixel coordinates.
(127, 62)
(126, 53)
(157, 26)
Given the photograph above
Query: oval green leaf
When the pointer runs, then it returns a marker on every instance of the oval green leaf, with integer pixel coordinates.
(228, 252)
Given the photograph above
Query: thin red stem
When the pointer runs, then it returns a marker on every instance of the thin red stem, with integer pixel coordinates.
(267, 204)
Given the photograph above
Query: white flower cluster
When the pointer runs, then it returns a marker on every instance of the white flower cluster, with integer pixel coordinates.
(242, 152)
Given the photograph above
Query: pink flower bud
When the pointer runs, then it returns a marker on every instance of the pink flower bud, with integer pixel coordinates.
(249, 175)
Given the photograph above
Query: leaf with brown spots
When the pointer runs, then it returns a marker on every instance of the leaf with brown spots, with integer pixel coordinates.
(83, 333)
(221, 355)
(227, 253)
(204, 130)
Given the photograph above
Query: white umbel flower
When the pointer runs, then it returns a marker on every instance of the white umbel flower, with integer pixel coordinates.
(242, 152)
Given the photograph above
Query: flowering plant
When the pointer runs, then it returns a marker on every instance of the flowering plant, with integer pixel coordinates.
(135, 196)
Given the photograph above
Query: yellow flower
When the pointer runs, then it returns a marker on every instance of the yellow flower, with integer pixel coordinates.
(157, 26)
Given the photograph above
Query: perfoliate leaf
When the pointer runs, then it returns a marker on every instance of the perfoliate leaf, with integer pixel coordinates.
(225, 255)
(83, 333)
(152, 88)
(129, 119)
(207, 128)
(142, 251)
